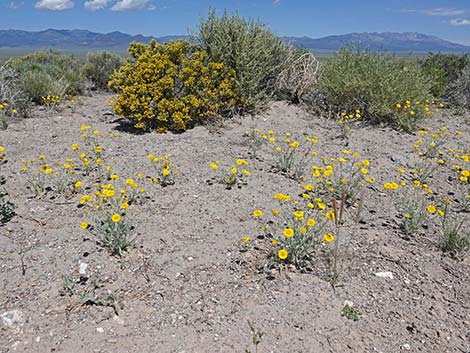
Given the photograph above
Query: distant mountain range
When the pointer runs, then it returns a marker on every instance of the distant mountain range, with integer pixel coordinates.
(87, 40)
(388, 41)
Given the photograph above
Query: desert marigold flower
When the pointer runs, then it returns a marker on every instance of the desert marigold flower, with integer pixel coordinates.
(365, 162)
(303, 230)
(48, 171)
(321, 205)
(246, 239)
(294, 144)
(234, 170)
(330, 215)
(328, 237)
(131, 183)
(214, 166)
(398, 105)
(98, 149)
(288, 232)
(431, 209)
(257, 213)
(272, 139)
(407, 215)
(166, 172)
(278, 149)
(84, 225)
(441, 213)
(308, 187)
(364, 171)
(282, 254)
(124, 206)
(78, 184)
(299, 215)
(116, 217)
(275, 212)
(391, 186)
(310, 222)
(274, 242)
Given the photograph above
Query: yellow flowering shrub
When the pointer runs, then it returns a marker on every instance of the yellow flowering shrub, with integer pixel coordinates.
(172, 86)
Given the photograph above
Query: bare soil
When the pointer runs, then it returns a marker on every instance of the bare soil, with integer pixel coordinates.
(189, 284)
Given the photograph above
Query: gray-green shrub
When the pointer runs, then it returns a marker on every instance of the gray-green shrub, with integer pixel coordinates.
(12, 93)
(248, 47)
(443, 70)
(373, 83)
(100, 66)
(54, 69)
(458, 91)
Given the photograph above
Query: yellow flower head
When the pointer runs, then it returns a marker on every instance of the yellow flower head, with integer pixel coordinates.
(288, 232)
(116, 218)
(328, 237)
(282, 254)
(84, 225)
(330, 215)
(257, 213)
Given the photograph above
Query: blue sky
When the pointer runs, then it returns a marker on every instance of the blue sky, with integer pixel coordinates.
(446, 19)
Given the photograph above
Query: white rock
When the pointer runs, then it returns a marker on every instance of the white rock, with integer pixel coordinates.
(82, 269)
(11, 318)
(406, 347)
(386, 274)
(99, 330)
(348, 303)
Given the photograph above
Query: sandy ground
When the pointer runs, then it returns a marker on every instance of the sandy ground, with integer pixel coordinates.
(189, 284)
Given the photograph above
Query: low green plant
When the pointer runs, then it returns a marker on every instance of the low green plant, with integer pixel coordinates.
(294, 229)
(254, 139)
(347, 174)
(294, 157)
(7, 208)
(412, 204)
(232, 176)
(100, 66)
(165, 169)
(111, 223)
(90, 292)
(351, 313)
(347, 121)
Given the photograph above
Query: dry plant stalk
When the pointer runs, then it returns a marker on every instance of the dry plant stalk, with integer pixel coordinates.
(299, 76)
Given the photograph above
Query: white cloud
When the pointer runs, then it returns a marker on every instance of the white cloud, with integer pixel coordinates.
(151, 7)
(94, 5)
(444, 12)
(439, 11)
(460, 22)
(126, 5)
(54, 5)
